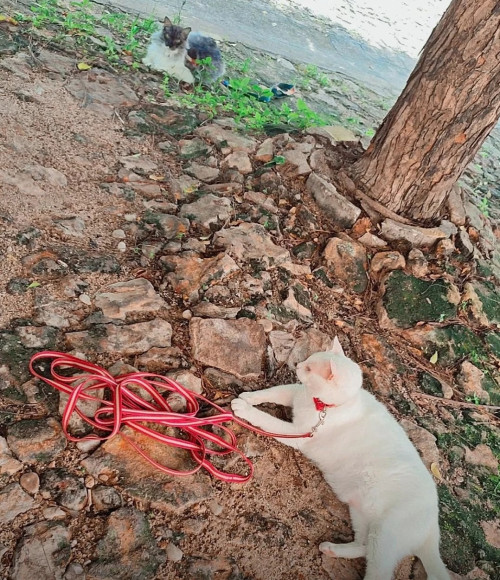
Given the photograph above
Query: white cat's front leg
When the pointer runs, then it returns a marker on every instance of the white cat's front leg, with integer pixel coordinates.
(281, 395)
(265, 421)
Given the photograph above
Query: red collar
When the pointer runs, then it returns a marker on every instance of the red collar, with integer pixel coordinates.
(320, 406)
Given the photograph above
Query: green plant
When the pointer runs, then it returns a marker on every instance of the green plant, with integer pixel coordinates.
(45, 11)
(177, 17)
(484, 204)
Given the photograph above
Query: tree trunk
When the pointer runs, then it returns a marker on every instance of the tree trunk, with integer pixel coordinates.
(448, 107)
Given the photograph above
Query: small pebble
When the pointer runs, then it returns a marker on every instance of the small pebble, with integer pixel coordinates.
(54, 513)
(187, 315)
(85, 298)
(266, 324)
(30, 482)
(119, 234)
(174, 554)
(122, 246)
(130, 217)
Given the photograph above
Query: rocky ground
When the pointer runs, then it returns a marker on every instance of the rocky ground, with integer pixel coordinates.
(140, 235)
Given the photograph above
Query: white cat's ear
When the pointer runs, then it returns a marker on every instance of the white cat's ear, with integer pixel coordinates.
(337, 347)
(167, 22)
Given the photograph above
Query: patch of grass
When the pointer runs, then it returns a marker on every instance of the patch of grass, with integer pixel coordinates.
(242, 102)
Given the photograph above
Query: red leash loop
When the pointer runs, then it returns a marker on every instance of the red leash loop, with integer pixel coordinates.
(128, 408)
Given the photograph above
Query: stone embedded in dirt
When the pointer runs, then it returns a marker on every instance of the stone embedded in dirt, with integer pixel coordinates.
(100, 91)
(482, 456)
(371, 241)
(141, 163)
(452, 343)
(483, 299)
(234, 346)
(30, 482)
(202, 172)
(43, 552)
(408, 300)
(220, 380)
(250, 241)
(105, 498)
(207, 210)
(49, 174)
(295, 165)
(382, 363)
(456, 206)
(19, 65)
(193, 148)
(449, 228)
(71, 226)
(262, 200)
(346, 261)
(136, 297)
(142, 481)
(386, 262)
(158, 359)
(127, 340)
(224, 188)
(417, 263)
(170, 226)
(147, 190)
(334, 133)
(291, 350)
(213, 569)
(417, 237)
(343, 213)
(265, 152)
(64, 488)
(14, 501)
(174, 554)
(240, 161)
(209, 310)
(55, 62)
(470, 380)
(464, 244)
(128, 551)
(424, 441)
(8, 465)
(37, 336)
(491, 531)
(187, 380)
(36, 440)
(74, 571)
(298, 303)
(192, 273)
(224, 138)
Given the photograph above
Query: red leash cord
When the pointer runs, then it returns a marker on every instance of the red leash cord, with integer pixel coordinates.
(128, 408)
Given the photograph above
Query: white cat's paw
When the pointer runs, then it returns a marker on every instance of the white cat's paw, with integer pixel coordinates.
(250, 398)
(350, 550)
(241, 408)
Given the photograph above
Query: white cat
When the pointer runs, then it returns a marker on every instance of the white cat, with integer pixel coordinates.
(169, 60)
(365, 456)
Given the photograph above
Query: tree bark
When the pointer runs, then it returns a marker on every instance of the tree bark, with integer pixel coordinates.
(448, 107)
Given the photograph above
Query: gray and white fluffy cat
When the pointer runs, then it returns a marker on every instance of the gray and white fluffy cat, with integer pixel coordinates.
(365, 456)
(177, 51)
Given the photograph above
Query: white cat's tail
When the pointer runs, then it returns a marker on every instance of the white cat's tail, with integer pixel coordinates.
(431, 559)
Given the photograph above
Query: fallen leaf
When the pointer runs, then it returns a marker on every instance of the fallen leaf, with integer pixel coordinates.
(8, 19)
(434, 358)
(83, 66)
(157, 177)
(34, 285)
(435, 471)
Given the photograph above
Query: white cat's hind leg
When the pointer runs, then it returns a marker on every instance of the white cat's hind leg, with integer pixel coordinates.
(383, 550)
(350, 550)
(431, 559)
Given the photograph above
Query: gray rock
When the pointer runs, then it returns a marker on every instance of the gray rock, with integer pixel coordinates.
(346, 261)
(14, 501)
(37, 336)
(209, 310)
(105, 498)
(64, 488)
(137, 297)
(72, 226)
(138, 163)
(193, 273)
(470, 380)
(207, 210)
(417, 237)
(482, 456)
(417, 262)
(74, 571)
(291, 350)
(193, 148)
(234, 346)
(338, 208)
(56, 313)
(128, 551)
(371, 241)
(386, 261)
(30, 482)
(464, 244)
(170, 226)
(240, 161)
(203, 172)
(43, 552)
(226, 138)
(33, 440)
(127, 340)
(265, 152)
(174, 554)
(250, 241)
(8, 464)
(424, 441)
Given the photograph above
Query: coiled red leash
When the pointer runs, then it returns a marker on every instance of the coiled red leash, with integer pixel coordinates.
(126, 407)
